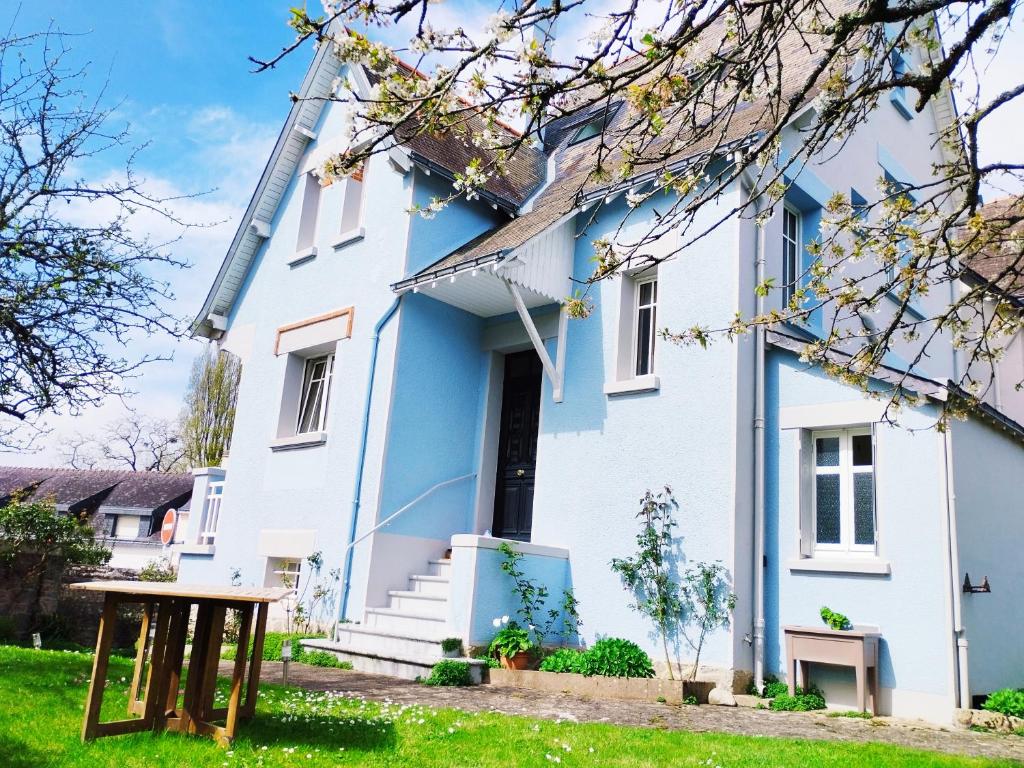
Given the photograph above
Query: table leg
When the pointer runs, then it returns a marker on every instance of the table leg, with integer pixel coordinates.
(238, 674)
(211, 658)
(177, 634)
(196, 665)
(805, 675)
(158, 669)
(876, 689)
(104, 641)
(253, 686)
(862, 696)
(140, 658)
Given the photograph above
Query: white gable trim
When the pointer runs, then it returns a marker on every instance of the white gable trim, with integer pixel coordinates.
(317, 89)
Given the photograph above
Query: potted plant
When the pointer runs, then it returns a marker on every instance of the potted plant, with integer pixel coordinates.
(451, 647)
(512, 645)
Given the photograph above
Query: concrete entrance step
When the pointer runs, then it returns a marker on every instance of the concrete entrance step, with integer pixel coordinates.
(395, 659)
(430, 585)
(407, 623)
(420, 603)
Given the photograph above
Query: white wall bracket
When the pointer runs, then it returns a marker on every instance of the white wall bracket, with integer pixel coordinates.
(554, 370)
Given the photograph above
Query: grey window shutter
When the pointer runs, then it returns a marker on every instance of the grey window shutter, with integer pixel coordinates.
(805, 458)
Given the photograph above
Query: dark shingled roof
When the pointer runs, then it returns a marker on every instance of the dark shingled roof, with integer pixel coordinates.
(1003, 262)
(452, 153)
(145, 491)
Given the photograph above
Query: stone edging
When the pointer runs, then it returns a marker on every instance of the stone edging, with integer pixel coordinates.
(626, 688)
(990, 721)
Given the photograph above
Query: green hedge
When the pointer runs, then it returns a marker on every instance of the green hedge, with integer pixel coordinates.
(450, 673)
(1007, 701)
(608, 657)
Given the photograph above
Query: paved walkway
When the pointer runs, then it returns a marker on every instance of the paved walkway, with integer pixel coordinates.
(751, 722)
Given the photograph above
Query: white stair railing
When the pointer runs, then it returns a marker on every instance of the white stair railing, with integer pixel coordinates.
(385, 522)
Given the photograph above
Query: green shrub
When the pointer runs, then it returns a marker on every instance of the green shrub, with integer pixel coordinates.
(834, 620)
(691, 700)
(317, 658)
(565, 660)
(772, 687)
(615, 657)
(158, 570)
(1007, 701)
(450, 672)
(803, 701)
(490, 661)
(451, 644)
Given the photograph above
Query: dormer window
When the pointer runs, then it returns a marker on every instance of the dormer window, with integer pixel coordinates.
(593, 125)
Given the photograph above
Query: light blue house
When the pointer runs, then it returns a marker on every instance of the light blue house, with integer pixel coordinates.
(413, 395)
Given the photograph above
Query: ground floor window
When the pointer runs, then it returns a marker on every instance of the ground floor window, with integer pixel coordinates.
(843, 493)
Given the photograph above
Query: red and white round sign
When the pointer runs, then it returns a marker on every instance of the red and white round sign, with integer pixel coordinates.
(167, 529)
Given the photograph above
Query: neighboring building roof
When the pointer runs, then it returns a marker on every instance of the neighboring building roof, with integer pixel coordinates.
(142, 492)
(1001, 261)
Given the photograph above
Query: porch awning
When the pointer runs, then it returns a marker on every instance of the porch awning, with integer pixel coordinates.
(535, 274)
(540, 268)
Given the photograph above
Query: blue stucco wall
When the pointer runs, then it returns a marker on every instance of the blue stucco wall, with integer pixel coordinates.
(909, 605)
(434, 424)
(461, 221)
(597, 454)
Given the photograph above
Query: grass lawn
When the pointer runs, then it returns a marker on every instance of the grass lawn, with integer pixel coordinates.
(42, 695)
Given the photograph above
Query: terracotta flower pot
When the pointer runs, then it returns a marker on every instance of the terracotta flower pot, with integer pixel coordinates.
(521, 660)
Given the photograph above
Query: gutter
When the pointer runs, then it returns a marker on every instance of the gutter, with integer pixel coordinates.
(960, 660)
(760, 333)
(361, 461)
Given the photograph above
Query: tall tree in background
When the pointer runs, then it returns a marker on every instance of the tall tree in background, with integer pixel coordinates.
(209, 413)
(699, 95)
(76, 284)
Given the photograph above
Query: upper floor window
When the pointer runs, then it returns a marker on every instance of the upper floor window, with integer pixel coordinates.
(898, 95)
(316, 389)
(791, 247)
(594, 125)
(309, 212)
(844, 490)
(352, 205)
(646, 320)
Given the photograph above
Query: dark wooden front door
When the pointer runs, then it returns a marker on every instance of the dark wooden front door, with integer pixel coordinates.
(517, 446)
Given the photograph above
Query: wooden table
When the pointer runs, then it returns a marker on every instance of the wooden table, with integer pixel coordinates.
(166, 612)
(857, 648)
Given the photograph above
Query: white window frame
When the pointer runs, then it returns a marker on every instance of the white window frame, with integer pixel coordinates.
(289, 567)
(352, 204)
(309, 214)
(846, 471)
(791, 272)
(304, 389)
(637, 308)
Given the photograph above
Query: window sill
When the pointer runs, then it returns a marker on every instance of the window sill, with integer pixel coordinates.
(196, 549)
(301, 257)
(901, 105)
(305, 440)
(352, 236)
(873, 566)
(648, 383)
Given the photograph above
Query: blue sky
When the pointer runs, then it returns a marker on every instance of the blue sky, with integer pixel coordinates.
(178, 73)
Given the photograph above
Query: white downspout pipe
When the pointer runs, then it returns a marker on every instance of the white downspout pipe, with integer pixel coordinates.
(963, 688)
(759, 440)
